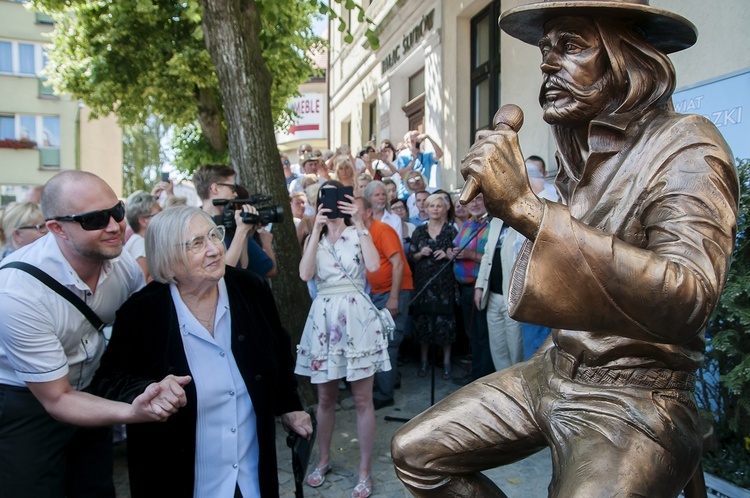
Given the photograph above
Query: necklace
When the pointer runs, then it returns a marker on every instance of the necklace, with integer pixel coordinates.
(209, 323)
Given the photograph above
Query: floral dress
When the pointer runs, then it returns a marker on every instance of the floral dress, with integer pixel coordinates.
(433, 314)
(343, 336)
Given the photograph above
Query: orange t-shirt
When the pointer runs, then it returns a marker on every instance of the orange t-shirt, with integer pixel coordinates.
(387, 243)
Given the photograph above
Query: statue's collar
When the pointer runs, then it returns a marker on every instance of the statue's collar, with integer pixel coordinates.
(610, 133)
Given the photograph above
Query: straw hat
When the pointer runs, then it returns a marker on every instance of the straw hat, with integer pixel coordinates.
(310, 156)
(664, 30)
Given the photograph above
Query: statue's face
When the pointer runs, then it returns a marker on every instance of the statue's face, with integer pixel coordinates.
(576, 72)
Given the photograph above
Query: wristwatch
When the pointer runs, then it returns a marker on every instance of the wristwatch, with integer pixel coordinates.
(363, 232)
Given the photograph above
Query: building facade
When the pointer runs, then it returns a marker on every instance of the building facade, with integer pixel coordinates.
(444, 67)
(42, 133)
(311, 108)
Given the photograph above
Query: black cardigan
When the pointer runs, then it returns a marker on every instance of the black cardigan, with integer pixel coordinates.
(146, 346)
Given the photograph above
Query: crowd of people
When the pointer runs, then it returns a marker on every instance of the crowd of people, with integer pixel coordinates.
(173, 337)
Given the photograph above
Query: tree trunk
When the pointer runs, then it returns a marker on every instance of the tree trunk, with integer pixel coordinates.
(209, 117)
(231, 30)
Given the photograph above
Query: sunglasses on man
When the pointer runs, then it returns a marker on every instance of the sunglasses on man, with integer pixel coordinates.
(95, 220)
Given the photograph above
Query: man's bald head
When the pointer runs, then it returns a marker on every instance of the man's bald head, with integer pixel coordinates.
(56, 196)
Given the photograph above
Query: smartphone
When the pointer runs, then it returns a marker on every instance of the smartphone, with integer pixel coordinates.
(330, 198)
(164, 176)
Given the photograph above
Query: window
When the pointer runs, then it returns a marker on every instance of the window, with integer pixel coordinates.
(7, 127)
(416, 84)
(27, 128)
(50, 132)
(44, 130)
(6, 57)
(414, 109)
(373, 121)
(21, 58)
(26, 58)
(485, 68)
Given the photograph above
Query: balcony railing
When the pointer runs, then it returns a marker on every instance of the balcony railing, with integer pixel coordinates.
(45, 89)
(49, 158)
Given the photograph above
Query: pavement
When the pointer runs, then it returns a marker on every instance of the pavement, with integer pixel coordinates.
(525, 479)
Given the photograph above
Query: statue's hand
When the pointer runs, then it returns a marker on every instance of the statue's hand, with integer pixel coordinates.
(497, 165)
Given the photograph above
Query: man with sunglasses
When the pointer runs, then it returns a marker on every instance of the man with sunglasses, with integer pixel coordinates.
(49, 350)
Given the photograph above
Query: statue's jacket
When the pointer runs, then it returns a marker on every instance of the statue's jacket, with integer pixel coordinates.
(631, 263)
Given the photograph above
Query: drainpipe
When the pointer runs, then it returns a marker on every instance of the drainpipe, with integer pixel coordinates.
(328, 86)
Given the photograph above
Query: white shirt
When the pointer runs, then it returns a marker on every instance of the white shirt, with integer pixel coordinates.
(43, 337)
(411, 202)
(394, 221)
(226, 440)
(296, 185)
(136, 246)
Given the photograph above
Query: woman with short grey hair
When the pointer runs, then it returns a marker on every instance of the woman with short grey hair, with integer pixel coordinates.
(219, 325)
(140, 207)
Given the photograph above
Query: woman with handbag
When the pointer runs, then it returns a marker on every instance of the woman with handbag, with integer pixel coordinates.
(343, 336)
(433, 316)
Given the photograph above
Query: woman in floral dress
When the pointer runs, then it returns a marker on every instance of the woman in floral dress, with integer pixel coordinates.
(434, 320)
(343, 336)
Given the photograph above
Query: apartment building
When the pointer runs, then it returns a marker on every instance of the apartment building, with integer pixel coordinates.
(42, 133)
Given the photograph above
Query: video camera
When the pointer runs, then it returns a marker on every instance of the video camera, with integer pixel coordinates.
(267, 213)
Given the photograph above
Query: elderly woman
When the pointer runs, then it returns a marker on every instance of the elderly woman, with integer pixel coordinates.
(21, 223)
(343, 336)
(140, 207)
(433, 315)
(219, 325)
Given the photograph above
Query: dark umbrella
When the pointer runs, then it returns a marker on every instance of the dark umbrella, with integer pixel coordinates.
(301, 450)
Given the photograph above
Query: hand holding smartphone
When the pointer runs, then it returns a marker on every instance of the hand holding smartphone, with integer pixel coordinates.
(330, 198)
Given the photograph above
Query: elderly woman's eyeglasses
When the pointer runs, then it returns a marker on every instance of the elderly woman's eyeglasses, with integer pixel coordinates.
(41, 228)
(197, 244)
(414, 179)
(95, 220)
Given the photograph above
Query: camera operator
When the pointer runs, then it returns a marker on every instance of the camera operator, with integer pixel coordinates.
(214, 181)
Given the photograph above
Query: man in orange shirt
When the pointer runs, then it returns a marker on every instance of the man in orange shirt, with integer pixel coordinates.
(390, 287)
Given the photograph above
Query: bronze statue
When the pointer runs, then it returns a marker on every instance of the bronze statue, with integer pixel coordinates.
(626, 270)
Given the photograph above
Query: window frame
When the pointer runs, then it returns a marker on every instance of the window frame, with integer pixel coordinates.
(488, 70)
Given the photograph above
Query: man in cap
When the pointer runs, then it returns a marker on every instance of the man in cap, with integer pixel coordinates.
(310, 164)
(626, 270)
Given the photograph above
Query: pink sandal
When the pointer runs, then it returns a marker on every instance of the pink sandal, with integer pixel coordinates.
(363, 489)
(318, 476)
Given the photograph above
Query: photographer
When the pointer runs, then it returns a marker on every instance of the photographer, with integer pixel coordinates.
(214, 181)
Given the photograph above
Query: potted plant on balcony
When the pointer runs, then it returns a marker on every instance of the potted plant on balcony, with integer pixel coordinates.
(12, 143)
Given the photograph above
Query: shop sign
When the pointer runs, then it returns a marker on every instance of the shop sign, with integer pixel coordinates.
(724, 101)
(308, 122)
(410, 39)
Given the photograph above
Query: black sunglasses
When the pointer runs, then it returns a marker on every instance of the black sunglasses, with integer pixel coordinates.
(95, 220)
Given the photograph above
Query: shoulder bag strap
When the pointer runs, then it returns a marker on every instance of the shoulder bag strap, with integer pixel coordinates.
(367, 298)
(60, 289)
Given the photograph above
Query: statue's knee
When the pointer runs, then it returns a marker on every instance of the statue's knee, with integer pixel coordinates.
(407, 449)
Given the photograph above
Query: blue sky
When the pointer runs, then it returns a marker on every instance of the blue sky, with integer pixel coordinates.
(320, 23)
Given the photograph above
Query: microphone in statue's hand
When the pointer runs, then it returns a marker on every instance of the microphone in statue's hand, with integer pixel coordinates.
(508, 117)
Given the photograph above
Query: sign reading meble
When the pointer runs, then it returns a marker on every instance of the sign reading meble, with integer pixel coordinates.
(409, 41)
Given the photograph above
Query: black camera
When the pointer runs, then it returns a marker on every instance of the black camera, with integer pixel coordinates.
(267, 213)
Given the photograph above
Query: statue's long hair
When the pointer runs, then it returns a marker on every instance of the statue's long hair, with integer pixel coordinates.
(643, 78)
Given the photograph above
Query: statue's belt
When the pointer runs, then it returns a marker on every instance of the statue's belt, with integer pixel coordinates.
(651, 378)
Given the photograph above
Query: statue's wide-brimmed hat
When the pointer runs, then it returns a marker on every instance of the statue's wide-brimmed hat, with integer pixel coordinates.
(664, 30)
